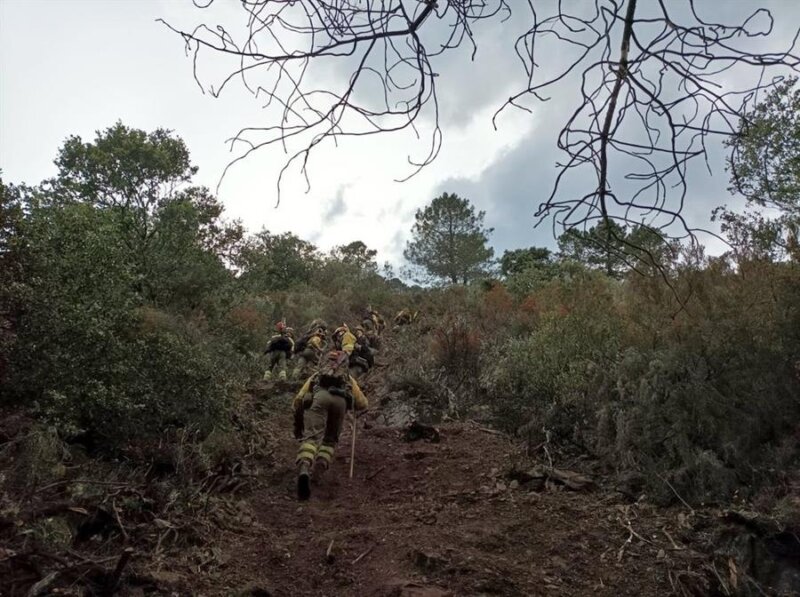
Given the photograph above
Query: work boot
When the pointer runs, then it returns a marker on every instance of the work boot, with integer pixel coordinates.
(267, 375)
(304, 482)
(282, 376)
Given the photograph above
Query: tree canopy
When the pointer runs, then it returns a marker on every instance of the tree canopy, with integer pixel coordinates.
(449, 241)
(518, 260)
(765, 168)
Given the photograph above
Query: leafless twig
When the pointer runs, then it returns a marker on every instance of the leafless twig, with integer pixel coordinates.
(654, 84)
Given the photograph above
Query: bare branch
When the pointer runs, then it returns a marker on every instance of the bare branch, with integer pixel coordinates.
(655, 84)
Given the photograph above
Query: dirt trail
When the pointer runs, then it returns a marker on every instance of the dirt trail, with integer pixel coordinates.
(431, 519)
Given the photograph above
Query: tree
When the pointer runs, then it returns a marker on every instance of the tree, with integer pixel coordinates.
(142, 179)
(358, 255)
(652, 83)
(616, 250)
(12, 272)
(765, 158)
(518, 260)
(277, 262)
(765, 168)
(526, 270)
(599, 247)
(449, 240)
(127, 169)
(124, 279)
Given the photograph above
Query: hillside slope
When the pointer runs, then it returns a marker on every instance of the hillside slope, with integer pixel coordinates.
(463, 512)
(423, 518)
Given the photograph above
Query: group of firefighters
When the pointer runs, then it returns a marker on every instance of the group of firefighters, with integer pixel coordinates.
(331, 389)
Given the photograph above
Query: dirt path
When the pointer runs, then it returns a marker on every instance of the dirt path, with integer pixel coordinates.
(430, 519)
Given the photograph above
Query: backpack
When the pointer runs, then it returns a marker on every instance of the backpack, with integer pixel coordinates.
(280, 343)
(302, 343)
(334, 370)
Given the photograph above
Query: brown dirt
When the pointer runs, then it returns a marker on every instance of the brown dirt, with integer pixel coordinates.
(429, 519)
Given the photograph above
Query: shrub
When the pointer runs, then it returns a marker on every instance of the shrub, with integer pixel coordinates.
(694, 396)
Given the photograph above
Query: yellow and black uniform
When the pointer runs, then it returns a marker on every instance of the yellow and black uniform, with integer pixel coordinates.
(279, 349)
(344, 340)
(373, 322)
(319, 415)
(404, 317)
(362, 359)
(308, 352)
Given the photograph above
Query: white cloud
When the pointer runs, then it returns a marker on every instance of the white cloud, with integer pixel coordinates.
(75, 67)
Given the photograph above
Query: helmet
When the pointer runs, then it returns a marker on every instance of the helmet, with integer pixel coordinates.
(280, 327)
(341, 330)
(318, 323)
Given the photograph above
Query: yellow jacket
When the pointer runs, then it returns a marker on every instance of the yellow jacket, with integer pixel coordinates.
(348, 343)
(360, 401)
(315, 342)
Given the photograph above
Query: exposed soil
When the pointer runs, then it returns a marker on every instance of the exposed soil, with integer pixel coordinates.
(433, 519)
(455, 510)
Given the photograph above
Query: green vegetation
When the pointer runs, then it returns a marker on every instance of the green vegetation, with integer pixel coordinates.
(449, 241)
(131, 309)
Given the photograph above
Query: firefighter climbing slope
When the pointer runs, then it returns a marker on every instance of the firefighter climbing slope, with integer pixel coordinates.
(320, 408)
(308, 350)
(343, 339)
(279, 349)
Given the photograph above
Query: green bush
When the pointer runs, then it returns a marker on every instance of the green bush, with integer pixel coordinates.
(693, 397)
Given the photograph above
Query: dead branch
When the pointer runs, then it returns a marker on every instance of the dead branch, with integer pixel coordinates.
(653, 84)
(364, 554)
(40, 587)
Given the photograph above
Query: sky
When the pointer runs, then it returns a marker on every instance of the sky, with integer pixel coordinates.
(72, 67)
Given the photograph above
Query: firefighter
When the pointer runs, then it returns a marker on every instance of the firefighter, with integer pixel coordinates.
(344, 340)
(308, 349)
(320, 408)
(279, 349)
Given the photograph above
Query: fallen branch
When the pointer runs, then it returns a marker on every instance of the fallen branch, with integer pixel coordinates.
(485, 429)
(119, 569)
(365, 554)
(371, 476)
(40, 587)
(328, 553)
(119, 522)
(88, 482)
(621, 551)
(685, 503)
(675, 546)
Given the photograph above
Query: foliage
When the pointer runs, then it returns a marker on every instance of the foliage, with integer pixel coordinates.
(449, 241)
(518, 260)
(276, 262)
(118, 337)
(765, 168)
(357, 255)
(125, 168)
(93, 361)
(615, 249)
(125, 276)
(765, 162)
(13, 290)
(689, 397)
